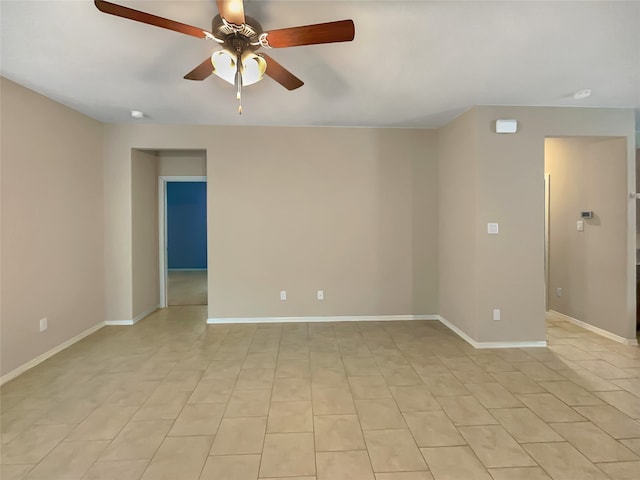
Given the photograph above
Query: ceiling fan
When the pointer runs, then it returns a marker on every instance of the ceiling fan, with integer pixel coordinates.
(240, 36)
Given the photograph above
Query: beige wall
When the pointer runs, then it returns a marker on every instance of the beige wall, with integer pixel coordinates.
(424, 225)
(588, 174)
(510, 191)
(637, 190)
(52, 224)
(144, 230)
(457, 259)
(189, 163)
(301, 209)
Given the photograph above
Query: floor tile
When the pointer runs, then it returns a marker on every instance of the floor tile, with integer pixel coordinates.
(593, 443)
(404, 476)
(344, 466)
(291, 390)
(104, 423)
(621, 470)
(517, 382)
(179, 457)
(332, 400)
(212, 391)
(414, 398)
(549, 408)
(146, 392)
(454, 463)
(624, 401)
(68, 460)
(231, 467)
(162, 407)
(611, 420)
(260, 360)
(571, 394)
(293, 369)
(603, 369)
(519, 473)
(288, 454)
(361, 367)
(466, 410)
(495, 447)
(631, 385)
(328, 376)
(290, 417)
(34, 444)
(337, 432)
(562, 461)
(433, 429)
(255, 379)
(525, 426)
(248, 403)
(117, 470)
(137, 440)
(493, 363)
(446, 384)
(239, 436)
(198, 419)
(401, 375)
(393, 451)
(14, 472)
(493, 395)
(588, 380)
(632, 444)
(369, 388)
(379, 414)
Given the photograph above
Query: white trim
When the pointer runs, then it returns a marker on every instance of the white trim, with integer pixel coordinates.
(111, 323)
(134, 320)
(482, 345)
(162, 228)
(342, 318)
(41, 358)
(596, 330)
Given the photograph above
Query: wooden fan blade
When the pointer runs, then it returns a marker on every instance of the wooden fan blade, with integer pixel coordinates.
(201, 72)
(138, 16)
(232, 11)
(280, 74)
(341, 31)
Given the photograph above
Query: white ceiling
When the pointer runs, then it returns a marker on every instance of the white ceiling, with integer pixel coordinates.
(412, 63)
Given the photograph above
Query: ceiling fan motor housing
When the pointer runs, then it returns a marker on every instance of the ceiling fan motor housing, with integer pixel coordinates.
(238, 38)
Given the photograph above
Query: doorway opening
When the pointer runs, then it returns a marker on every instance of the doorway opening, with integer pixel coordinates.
(183, 240)
(586, 233)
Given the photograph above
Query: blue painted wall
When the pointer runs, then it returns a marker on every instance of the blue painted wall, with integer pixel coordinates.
(187, 224)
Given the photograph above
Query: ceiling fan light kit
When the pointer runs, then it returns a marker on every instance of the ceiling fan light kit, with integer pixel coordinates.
(240, 37)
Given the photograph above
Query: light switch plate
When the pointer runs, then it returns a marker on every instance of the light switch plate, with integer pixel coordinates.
(580, 225)
(492, 228)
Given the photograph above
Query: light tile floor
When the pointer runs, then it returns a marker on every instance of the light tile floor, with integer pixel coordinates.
(171, 398)
(187, 287)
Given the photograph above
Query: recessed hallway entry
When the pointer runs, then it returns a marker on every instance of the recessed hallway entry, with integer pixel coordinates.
(184, 231)
(587, 232)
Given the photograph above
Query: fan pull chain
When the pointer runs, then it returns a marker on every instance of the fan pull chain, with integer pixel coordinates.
(239, 84)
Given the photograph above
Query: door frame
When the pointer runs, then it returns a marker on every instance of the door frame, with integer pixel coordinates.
(547, 224)
(162, 226)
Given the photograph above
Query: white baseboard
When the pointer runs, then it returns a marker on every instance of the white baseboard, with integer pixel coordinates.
(110, 323)
(596, 330)
(481, 345)
(134, 320)
(342, 318)
(41, 358)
